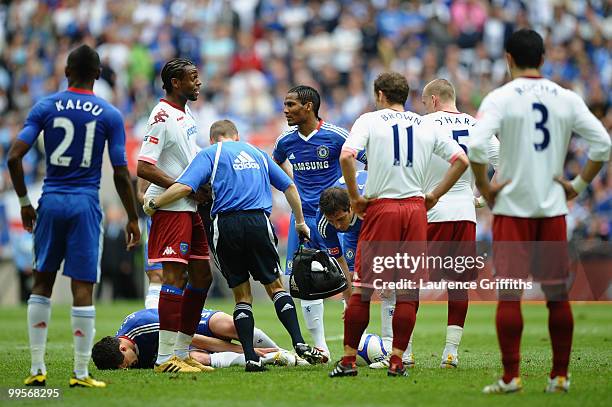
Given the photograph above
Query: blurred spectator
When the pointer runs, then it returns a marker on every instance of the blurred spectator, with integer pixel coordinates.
(252, 51)
(117, 264)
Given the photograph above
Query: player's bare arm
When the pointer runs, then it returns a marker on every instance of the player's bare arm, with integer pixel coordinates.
(293, 198)
(141, 188)
(455, 171)
(214, 344)
(175, 192)
(347, 163)
(574, 188)
(346, 294)
(489, 190)
(123, 185)
(15, 164)
(286, 166)
(211, 344)
(153, 175)
(150, 172)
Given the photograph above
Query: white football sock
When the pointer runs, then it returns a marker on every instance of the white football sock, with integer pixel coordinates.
(227, 359)
(453, 338)
(83, 320)
(165, 348)
(268, 358)
(152, 298)
(387, 307)
(261, 340)
(408, 350)
(313, 314)
(181, 345)
(39, 314)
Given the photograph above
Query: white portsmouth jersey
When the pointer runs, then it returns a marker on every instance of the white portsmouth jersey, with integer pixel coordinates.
(458, 203)
(534, 119)
(170, 144)
(399, 147)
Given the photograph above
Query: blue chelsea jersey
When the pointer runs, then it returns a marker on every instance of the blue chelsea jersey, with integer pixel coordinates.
(314, 159)
(142, 328)
(330, 234)
(75, 125)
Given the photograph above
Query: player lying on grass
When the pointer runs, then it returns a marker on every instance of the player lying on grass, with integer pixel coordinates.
(135, 343)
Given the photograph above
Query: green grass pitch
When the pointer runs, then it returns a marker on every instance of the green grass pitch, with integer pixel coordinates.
(309, 386)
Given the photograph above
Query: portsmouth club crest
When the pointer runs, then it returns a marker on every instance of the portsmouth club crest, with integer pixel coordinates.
(184, 248)
(322, 152)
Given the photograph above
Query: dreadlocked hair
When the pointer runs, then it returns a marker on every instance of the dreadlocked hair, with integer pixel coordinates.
(308, 94)
(175, 68)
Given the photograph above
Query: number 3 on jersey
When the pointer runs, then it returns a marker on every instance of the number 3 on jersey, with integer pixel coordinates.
(56, 157)
(540, 126)
(396, 145)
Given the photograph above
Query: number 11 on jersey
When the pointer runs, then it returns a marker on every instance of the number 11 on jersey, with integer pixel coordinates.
(396, 145)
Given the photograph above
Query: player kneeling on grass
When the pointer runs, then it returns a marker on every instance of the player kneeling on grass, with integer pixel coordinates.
(243, 240)
(135, 343)
(339, 226)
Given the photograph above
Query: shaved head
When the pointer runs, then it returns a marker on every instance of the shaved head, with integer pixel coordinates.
(223, 128)
(441, 88)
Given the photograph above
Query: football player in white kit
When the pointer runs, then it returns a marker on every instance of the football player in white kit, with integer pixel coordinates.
(453, 218)
(534, 119)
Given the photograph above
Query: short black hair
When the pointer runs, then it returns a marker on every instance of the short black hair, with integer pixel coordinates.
(526, 47)
(394, 86)
(175, 68)
(308, 94)
(106, 354)
(84, 63)
(334, 199)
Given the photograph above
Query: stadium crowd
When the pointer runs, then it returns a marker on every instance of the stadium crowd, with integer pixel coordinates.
(251, 52)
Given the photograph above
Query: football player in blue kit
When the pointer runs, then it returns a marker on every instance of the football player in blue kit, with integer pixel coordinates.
(67, 223)
(309, 151)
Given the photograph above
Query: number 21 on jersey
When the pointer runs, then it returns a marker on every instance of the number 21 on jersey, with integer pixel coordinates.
(56, 157)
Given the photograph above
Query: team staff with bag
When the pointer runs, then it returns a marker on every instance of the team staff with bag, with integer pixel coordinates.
(243, 241)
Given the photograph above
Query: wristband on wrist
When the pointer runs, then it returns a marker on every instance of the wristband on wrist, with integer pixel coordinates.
(24, 201)
(579, 184)
(300, 224)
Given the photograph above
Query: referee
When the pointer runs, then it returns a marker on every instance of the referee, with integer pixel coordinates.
(242, 238)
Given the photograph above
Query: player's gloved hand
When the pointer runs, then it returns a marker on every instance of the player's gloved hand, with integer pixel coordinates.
(147, 207)
(28, 217)
(480, 202)
(303, 231)
(132, 234)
